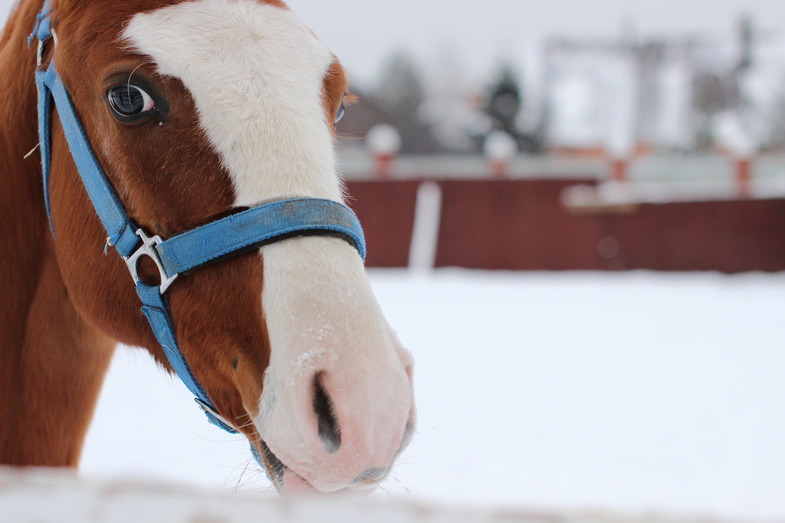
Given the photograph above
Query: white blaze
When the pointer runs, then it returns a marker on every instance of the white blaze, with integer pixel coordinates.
(256, 75)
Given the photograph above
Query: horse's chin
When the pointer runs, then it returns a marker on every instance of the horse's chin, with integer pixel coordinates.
(289, 483)
(294, 485)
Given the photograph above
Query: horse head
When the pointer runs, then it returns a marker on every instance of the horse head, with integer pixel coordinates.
(198, 110)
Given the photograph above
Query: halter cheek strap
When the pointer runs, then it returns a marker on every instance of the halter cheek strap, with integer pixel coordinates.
(184, 252)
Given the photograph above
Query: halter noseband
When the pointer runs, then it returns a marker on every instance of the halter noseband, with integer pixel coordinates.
(221, 239)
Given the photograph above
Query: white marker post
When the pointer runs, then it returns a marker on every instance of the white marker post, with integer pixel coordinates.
(500, 148)
(739, 144)
(384, 142)
(621, 148)
(743, 151)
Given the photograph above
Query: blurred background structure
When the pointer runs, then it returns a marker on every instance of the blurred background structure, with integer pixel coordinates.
(621, 145)
(606, 135)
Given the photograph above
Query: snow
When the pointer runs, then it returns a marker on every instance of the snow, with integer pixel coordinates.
(43, 496)
(622, 392)
(311, 360)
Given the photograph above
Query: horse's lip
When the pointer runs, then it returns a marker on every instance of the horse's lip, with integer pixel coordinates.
(287, 481)
(276, 469)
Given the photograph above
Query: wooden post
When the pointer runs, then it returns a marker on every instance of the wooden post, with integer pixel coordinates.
(741, 145)
(619, 169)
(382, 163)
(743, 177)
(620, 152)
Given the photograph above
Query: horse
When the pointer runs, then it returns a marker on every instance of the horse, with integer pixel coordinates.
(196, 139)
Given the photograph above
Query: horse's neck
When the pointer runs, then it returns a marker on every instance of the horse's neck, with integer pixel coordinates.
(51, 363)
(22, 222)
(21, 196)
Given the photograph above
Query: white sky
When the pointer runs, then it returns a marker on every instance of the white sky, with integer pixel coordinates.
(362, 32)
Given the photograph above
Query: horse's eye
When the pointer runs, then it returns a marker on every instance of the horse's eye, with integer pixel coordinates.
(341, 112)
(129, 101)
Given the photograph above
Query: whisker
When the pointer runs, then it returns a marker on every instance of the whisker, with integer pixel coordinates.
(242, 474)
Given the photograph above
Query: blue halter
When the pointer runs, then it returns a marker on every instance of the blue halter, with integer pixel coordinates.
(184, 252)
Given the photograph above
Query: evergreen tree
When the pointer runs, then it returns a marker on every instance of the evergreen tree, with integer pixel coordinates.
(709, 100)
(505, 102)
(775, 120)
(400, 93)
(400, 89)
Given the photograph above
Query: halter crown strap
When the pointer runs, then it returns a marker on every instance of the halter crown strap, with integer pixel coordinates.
(187, 251)
(43, 25)
(121, 231)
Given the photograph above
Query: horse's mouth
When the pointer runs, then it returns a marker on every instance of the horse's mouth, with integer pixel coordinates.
(273, 466)
(287, 481)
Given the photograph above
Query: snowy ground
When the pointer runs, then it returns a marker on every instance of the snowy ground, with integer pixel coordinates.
(46, 496)
(631, 392)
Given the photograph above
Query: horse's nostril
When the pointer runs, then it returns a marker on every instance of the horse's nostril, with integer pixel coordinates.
(329, 430)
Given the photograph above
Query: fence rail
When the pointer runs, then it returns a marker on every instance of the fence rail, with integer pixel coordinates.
(524, 225)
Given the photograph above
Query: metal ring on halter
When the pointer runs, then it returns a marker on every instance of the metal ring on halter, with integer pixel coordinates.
(41, 43)
(148, 249)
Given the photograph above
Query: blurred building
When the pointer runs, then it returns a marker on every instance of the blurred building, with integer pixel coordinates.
(666, 94)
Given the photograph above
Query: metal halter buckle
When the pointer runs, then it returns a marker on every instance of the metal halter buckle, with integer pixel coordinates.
(148, 249)
(42, 47)
(40, 53)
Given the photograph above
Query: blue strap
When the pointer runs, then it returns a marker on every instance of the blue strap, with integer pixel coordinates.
(43, 25)
(120, 229)
(156, 311)
(44, 133)
(256, 226)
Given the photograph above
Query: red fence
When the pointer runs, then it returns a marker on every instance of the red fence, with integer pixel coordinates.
(522, 225)
(386, 210)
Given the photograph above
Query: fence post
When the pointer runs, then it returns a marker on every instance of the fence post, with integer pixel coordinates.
(619, 169)
(743, 166)
(620, 150)
(742, 146)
